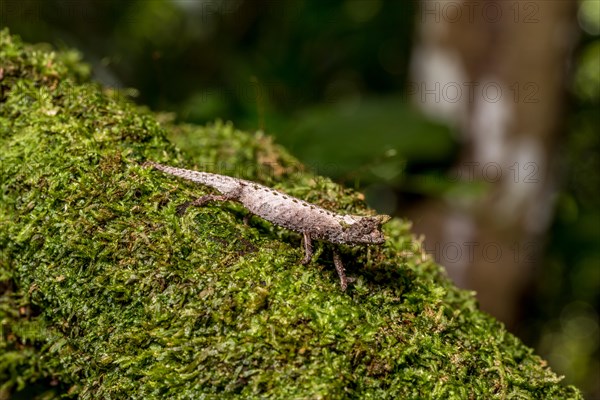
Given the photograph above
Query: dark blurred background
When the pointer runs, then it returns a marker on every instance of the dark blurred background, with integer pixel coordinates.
(477, 120)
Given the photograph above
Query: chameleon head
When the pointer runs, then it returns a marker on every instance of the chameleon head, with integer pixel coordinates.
(366, 230)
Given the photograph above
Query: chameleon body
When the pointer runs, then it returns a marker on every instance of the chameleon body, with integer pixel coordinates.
(312, 221)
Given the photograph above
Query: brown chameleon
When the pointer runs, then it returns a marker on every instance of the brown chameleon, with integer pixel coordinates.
(312, 221)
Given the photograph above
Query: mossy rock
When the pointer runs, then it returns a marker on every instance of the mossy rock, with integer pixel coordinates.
(108, 293)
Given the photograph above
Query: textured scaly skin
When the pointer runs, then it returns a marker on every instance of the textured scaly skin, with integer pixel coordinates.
(312, 221)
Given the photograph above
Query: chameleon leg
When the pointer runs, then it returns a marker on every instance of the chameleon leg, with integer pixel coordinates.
(308, 249)
(246, 219)
(337, 260)
(199, 202)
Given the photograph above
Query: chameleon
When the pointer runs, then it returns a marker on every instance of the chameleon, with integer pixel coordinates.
(311, 221)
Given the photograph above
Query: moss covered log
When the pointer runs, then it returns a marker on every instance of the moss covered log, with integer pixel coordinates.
(107, 293)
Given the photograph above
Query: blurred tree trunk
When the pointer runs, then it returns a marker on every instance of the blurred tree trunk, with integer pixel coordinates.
(496, 71)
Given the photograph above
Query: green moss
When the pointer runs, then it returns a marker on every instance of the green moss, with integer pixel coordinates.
(106, 292)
